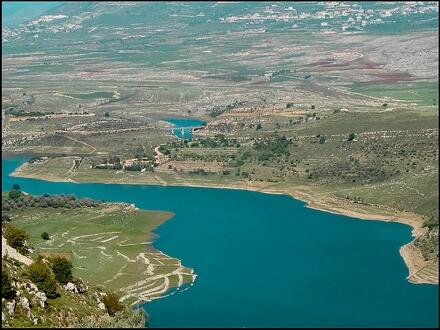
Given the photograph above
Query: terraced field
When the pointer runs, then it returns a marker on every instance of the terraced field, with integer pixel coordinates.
(110, 246)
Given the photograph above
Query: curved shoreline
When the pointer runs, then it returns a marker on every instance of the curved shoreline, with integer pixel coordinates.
(411, 256)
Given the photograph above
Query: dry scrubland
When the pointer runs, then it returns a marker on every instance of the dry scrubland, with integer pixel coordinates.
(346, 121)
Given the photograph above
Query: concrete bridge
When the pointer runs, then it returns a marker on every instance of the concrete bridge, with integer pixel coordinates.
(183, 129)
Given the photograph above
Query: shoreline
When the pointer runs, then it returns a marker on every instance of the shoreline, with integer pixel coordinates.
(412, 258)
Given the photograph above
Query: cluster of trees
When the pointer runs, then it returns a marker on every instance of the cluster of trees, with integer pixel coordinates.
(140, 152)
(34, 159)
(22, 113)
(199, 171)
(272, 147)
(48, 274)
(139, 166)
(15, 192)
(62, 269)
(218, 140)
(44, 278)
(356, 199)
(17, 200)
(219, 109)
(111, 160)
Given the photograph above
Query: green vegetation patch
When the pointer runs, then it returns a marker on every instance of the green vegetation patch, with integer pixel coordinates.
(94, 95)
(422, 93)
(109, 245)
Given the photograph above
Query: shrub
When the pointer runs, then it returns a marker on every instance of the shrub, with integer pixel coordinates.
(62, 268)
(112, 303)
(45, 236)
(6, 217)
(44, 279)
(14, 194)
(431, 222)
(16, 237)
(129, 319)
(351, 136)
(7, 291)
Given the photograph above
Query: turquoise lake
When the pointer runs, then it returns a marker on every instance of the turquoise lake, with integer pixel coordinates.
(267, 261)
(186, 124)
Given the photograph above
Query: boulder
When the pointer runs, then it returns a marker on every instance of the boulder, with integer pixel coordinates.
(24, 302)
(32, 287)
(70, 287)
(10, 307)
(101, 306)
(41, 297)
(81, 286)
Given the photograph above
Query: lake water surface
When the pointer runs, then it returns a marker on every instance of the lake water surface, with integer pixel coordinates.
(267, 261)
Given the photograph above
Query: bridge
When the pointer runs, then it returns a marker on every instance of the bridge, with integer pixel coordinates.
(183, 129)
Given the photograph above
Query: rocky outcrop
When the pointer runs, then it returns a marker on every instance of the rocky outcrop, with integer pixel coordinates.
(10, 307)
(24, 303)
(10, 252)
(70, 287)
(41, 298)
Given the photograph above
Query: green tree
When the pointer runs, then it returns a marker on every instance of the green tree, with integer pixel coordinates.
(44, 279)
(45, 236)
(16, 237)
(351, 137)
(15, 194)
(7, 291)
(112, 303)
(107, 114)
(259, 127)
(62, 268)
